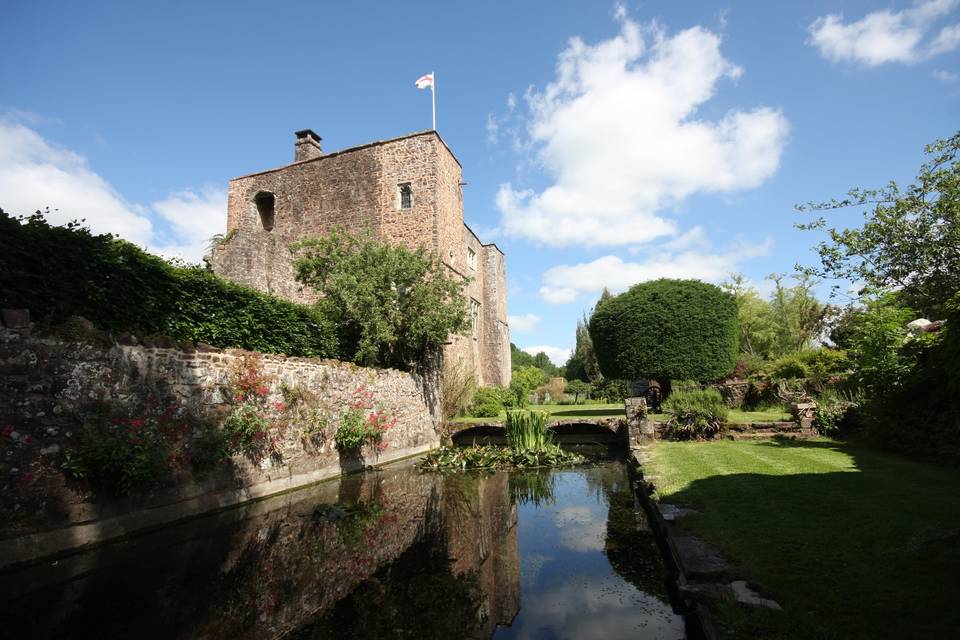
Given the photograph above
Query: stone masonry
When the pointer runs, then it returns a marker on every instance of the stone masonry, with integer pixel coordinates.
(407, 190)
(49, 386)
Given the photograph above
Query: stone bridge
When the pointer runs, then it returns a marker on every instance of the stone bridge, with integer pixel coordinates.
(628, 430)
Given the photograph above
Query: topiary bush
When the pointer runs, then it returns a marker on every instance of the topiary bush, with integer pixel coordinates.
(666, 329)
(58, 272)
(695, 415)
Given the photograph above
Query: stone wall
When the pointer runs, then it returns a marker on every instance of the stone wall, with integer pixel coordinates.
(50, 387)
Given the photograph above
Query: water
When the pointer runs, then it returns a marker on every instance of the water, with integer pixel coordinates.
(392, 553)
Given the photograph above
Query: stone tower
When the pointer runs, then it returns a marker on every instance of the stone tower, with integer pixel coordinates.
(406, 190)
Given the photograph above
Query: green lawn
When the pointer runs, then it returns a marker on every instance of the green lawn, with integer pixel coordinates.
(853, 542)
(567, 411)
(560, 412)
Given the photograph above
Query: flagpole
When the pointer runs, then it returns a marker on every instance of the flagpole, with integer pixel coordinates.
(433, 98)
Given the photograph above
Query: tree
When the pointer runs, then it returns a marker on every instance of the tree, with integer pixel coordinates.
(523, 381)
(797, 314)
(582, 363)
(393, 307)
(667, 329)
(758, 335)
(910, 239)
(578, 388)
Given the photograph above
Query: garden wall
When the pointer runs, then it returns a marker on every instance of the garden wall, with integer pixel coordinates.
(50, 386)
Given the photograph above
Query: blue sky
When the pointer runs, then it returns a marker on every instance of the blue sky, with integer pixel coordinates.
(602, 143)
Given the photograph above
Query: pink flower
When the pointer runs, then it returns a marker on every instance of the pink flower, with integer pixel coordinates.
(262, 391)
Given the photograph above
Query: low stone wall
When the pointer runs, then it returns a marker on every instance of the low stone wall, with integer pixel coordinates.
(49, 386)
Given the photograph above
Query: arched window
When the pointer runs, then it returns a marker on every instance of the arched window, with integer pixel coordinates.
(265, 205)
(405, 192)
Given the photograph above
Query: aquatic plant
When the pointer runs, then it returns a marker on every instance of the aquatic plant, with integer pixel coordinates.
(527, 430)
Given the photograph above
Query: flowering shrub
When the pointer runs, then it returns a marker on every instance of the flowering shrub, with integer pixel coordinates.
(251, 427)
(358, 427)
(122, 454)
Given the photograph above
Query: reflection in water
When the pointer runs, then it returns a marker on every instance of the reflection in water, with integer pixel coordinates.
(388, 553)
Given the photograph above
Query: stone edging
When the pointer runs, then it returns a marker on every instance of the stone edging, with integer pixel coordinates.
(699, 625)
(66, 540)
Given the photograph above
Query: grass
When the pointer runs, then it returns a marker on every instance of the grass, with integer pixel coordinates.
(853, 542)
(571, 411)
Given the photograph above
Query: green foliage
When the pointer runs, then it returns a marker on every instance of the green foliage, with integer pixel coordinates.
(836, 412)
(582, 363)
(393, 307)
(247, 429)
(613, 390)
(351, 432)
(520, 359)
(487, 403)
(578, 388)
(825, 366)
(120, 455)
(789, 366)
(787, 323)
(523, 382)
(58, 272)
(527, 430)
(910, 239)
(917, 408)
(492, 457)
(876, 338)
(695, 415)
(673, 329)
(362, 423)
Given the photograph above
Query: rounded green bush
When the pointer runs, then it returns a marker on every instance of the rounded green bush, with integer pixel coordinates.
(667, 329)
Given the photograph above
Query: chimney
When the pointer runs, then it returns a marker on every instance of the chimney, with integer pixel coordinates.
(307, 146)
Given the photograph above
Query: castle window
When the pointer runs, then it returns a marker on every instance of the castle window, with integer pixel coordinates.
(472, 258)
(405, 191)
(474, 317)
(265, 205)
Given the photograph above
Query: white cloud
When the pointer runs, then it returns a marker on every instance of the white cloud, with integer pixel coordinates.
(618, 131)
(565, 283)
(557, 355)
(946, 76)
(527, 322)
(886, 36)
(35, 174)
(192, 218)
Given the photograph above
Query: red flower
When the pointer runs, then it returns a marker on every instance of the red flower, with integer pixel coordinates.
(262, 391)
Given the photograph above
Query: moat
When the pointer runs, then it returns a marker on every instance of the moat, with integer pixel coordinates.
(389, 553)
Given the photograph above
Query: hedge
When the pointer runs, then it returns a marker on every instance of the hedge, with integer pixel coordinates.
(58, 272)
(666, 329)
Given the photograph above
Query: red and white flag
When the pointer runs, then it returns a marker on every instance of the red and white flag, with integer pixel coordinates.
(425, 81)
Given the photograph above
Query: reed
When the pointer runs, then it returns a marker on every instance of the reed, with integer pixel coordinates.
(527, 431)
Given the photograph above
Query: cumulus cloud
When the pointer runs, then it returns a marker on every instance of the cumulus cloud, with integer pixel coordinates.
(557, 355)
(526, 322)
(35, 173)
(887, 36)
(619, 133)
(565, 283)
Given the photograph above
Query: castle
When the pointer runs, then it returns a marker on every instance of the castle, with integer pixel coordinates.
(406, 190)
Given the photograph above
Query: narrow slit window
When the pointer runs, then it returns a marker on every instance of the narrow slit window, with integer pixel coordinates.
(472, 259)
(265, 207)
(474, 317)
(406, 196)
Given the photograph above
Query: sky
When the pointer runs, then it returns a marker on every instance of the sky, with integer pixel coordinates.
(603, 144)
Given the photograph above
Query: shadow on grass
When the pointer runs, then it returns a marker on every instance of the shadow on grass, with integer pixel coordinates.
(866, 550)
(586, 413)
